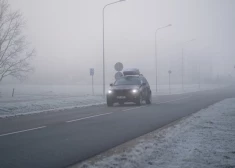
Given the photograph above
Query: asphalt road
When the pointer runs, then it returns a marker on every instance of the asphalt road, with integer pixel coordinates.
(63, 138)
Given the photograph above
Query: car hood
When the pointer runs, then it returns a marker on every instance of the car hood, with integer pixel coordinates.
(125, 87)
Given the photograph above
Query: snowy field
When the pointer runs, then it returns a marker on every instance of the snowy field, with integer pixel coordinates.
(203, 140)
(39, 98)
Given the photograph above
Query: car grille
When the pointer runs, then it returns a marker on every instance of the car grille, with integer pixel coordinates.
(122, 92)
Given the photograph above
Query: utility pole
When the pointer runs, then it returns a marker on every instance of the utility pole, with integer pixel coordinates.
(92, 72)
(169, 72)
(199, 77)
(156, 56)
(183, 63)
(104, 42)
(182, 69)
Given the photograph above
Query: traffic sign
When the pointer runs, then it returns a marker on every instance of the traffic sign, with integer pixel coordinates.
(118, 75)
(169, 71)
(118, 66)
(92, 71)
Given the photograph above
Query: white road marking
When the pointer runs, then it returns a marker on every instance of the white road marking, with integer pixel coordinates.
(79, 119)
(17, 132)
(133, 108)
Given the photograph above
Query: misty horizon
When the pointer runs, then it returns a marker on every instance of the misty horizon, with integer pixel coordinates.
(67, 36)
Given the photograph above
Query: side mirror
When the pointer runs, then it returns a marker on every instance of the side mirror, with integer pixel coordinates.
(111, 84)
(143, 84)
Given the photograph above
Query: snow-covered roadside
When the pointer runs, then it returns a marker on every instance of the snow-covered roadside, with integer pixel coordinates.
(204, 139)
(37, 99)
(39, 104)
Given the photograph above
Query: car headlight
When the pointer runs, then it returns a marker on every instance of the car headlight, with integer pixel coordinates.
(110, 91)
(134, 91)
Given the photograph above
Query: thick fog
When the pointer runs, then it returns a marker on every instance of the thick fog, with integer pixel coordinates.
(67, 35)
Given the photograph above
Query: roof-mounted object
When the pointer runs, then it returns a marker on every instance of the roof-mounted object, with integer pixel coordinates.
(131, 71)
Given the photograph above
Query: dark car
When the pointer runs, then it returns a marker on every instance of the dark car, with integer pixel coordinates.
(133, 88)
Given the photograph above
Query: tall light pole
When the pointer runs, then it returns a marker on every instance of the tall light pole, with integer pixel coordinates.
(183, 61)
(199, 76)
(199, 68)
(234, 67)
(104, 43)
(156, 66)
(169, 72)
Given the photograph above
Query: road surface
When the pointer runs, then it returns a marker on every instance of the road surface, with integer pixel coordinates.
(63, 138)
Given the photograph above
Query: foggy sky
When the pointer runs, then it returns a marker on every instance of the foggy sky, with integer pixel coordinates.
(67, 35)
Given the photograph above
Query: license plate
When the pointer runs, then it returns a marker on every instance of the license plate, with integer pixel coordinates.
(121, 97)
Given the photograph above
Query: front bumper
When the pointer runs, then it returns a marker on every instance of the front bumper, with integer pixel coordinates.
(123, 96)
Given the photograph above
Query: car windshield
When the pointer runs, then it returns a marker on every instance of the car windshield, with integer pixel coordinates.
(130, 80)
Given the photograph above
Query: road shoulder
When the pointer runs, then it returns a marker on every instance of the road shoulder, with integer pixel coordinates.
(204, 139)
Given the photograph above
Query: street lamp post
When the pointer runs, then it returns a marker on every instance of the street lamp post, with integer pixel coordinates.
(104, 44)
(169, 72)
(199, 69)
(199, 76)
(183, 62)
(156, 66)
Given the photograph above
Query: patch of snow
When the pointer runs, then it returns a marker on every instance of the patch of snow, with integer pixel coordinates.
(31, 99)
(12, 114)
(204, 139)
(34, 105)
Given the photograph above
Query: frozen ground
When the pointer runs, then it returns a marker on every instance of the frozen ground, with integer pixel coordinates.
(34, 98)
(203, 140)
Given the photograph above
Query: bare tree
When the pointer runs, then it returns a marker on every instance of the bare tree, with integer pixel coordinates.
(14, 49)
